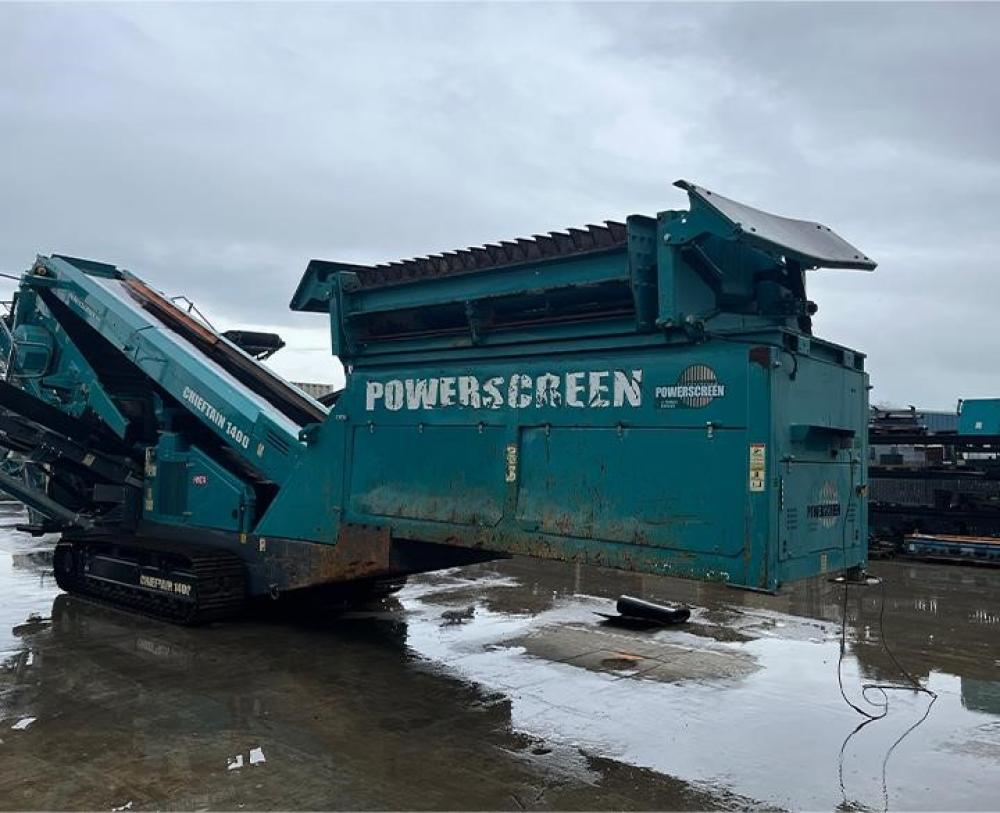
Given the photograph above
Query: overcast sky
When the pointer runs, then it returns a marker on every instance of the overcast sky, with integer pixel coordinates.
(215, 149)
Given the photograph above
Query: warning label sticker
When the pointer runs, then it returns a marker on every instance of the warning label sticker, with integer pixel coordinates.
(758, 466)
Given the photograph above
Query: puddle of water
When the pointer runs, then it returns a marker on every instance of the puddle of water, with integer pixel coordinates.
(25, 577)
(530, 702)
(773, 733)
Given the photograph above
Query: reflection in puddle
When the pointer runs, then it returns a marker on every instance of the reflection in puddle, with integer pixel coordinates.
(709, 729)
(529, 702)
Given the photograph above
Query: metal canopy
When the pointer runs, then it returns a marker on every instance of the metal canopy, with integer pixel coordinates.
(813, 245)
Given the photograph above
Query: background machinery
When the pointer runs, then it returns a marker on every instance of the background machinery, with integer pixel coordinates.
(644, 395)
(935, 491)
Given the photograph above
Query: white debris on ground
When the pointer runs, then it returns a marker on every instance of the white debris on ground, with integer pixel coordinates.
(126, 806)
(256, 758)
(22, 724)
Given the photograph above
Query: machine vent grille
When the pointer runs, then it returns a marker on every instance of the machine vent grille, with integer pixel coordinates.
(792, 519)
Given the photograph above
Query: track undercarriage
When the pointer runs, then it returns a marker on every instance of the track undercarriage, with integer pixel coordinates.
(187, 584)
(178, 583)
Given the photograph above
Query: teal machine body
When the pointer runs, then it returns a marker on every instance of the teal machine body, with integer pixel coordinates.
(979, 416)
(645, 395)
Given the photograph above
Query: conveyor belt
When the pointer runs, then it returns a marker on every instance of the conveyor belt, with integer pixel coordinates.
(291, 401)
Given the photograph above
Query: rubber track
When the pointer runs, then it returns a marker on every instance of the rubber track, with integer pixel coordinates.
(220, 590)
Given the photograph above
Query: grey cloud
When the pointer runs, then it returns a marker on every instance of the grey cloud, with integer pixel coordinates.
(215, 149)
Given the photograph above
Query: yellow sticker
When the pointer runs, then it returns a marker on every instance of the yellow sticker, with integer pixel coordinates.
(758, 466)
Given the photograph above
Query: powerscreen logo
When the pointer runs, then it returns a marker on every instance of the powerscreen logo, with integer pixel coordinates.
(696, 387)
(826, 508)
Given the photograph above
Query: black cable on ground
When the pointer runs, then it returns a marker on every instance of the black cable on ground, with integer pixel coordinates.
(884, 688)
(884, 707)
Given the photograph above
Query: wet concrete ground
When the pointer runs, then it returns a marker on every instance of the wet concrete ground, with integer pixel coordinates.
(533, 703)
